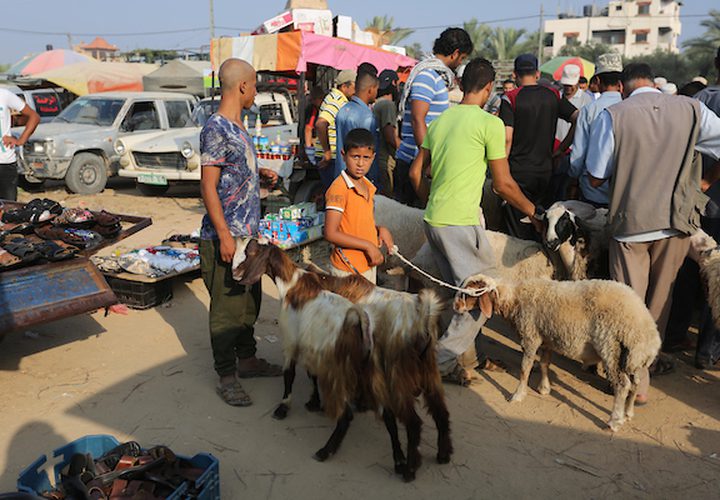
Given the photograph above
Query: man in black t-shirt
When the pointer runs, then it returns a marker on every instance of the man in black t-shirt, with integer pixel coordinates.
(530, 114)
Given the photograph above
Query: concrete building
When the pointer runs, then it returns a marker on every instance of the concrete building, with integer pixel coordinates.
(99, 48)
(631, 27)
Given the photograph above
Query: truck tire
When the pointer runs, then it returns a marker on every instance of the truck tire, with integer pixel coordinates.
(309, 190)
(150, 190)
(87, 174)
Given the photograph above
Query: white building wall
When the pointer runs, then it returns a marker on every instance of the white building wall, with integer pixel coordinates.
(623, 15)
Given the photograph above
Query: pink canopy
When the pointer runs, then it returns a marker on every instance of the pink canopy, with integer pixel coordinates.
(293, 51)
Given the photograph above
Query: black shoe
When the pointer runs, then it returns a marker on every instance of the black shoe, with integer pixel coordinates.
(705, 364)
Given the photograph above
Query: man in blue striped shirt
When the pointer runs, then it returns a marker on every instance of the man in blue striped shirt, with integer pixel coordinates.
(424, 99)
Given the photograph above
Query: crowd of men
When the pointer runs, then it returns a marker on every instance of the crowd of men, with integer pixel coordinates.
(649, 156)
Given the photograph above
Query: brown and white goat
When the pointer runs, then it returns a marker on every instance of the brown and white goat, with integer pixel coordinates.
(404, 328)
(587, 320)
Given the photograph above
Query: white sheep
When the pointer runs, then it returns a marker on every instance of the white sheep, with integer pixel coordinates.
(706, 252)
(589, 321)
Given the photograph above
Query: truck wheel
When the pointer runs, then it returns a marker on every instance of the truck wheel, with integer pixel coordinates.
(150, 190)
(87, 174)
(310, 191)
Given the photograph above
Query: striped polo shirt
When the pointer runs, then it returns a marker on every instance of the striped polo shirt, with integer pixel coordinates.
(328, 111)
(429, 87)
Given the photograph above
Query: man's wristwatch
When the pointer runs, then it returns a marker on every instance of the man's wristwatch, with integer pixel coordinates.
(539, 213)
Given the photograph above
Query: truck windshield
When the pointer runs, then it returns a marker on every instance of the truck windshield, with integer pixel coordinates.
(92, 111)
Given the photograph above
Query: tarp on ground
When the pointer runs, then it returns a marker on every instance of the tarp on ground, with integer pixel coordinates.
(178, 76)
(90, 77)
(292, 52)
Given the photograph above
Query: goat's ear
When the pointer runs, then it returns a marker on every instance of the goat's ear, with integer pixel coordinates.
(486, 305)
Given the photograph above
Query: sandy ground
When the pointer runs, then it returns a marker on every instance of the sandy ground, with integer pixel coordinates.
(148, 376)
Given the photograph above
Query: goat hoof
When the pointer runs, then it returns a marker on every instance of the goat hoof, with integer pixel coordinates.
(408, 475)
(313, 406)
(280, 412)
(400, 468)
(321, 455)
(544, 391)
(443, 458)
(615, 424)
(517, 397)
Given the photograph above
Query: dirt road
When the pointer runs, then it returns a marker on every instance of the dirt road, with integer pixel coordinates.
(148, 376)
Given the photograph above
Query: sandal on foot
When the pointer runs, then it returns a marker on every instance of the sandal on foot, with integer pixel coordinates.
(458, 376)
(233, 394)
(261, 369)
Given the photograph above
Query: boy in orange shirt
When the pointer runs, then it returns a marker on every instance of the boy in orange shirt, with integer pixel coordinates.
(349, 219)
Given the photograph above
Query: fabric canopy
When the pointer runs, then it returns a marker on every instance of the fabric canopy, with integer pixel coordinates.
(178, 76)
(45, 61)
(554, 67)
(90, 77)
(293, 51)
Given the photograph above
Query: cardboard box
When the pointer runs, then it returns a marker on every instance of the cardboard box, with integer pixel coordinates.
(278, 22)
(322, 20)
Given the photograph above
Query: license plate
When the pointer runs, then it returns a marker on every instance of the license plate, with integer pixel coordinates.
(154, 179)
(38, 164)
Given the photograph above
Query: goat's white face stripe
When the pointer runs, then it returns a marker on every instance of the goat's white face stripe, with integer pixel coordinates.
(240, 247)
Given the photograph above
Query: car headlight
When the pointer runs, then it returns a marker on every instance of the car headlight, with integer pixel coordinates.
(38, 147)
(119, 147)
(187, 150)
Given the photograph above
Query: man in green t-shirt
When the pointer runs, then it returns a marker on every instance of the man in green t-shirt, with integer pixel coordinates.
(458, 147)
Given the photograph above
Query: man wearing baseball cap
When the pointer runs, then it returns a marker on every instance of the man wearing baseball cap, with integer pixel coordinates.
(325, 147)
(608, 69)
(530, 113)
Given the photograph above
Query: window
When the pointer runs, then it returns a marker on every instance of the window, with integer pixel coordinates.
(643, 9)
(641, 37)
(91, 111)
(142, 116)
(618, 7)
(609, 37)
(178, 114)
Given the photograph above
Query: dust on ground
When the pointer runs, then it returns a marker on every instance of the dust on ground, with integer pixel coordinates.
(148, 376)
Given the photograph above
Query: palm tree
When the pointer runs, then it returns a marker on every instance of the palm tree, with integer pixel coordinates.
(702, 49)
(479, 34)
(383, 26)
(505, 42)
(415, 51)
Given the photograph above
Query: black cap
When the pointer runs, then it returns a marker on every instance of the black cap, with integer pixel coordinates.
(526, 62)
(387, 78)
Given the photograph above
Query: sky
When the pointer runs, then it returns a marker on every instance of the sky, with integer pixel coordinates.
(128, 23)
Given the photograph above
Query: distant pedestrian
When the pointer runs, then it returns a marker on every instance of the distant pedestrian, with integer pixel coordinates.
(317, 94)
(509, 85)
(386, 116)
(230, 188)
(325, 146)
(9, 103)
(424, 98)
(357, 113)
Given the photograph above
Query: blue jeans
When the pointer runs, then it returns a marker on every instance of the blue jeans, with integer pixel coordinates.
(327, 174)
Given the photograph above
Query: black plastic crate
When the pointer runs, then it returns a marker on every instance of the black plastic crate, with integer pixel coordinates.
(141, 295)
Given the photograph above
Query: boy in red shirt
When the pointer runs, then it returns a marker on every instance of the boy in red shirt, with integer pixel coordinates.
(349, 219)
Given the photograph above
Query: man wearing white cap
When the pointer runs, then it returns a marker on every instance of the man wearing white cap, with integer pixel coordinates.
(659, 81)
(608, 69)
(578, 98)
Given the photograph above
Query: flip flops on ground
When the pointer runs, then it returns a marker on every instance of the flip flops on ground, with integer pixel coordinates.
(233, 394)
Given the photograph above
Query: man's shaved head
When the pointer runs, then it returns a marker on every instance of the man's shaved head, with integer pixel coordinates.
(233, 72)
(365, 81)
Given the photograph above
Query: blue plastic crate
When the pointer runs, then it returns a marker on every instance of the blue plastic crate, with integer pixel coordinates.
(35, 481)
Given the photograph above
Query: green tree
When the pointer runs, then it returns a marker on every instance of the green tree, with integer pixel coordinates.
(675, 67)
(505, 43)
(588, 51)
(415, 51)
(383, 26)
(479, 34)
(701, 50)
(4, 68)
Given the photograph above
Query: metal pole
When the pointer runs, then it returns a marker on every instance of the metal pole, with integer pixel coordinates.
(541, 35)
(212, 20)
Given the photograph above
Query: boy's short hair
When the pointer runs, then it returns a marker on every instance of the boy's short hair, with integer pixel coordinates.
(478, 73)
(610, 78)
(358, 138)
(582, 79)
(637, 71)
(508, 80)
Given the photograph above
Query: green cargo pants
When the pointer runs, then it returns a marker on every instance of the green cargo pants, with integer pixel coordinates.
(234, 309)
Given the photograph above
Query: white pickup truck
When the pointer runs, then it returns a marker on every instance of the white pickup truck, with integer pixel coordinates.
(174, 156)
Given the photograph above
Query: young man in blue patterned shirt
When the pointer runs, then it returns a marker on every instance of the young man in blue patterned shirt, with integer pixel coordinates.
(230, 188)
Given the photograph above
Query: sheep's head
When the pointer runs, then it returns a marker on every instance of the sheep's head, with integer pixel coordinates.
(252, 258)
(561, 227)
(483, 297)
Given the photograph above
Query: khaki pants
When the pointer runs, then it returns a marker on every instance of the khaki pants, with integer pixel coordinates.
(650, 269)
(370, 274)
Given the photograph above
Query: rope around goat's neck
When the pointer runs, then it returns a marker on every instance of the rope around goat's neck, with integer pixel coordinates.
(473, 292)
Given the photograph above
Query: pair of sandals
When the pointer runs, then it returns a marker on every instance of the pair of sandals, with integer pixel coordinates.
(34, 212)
(103, 223)
(28, 251)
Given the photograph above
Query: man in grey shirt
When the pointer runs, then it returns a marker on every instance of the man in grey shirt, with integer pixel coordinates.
(386, 116)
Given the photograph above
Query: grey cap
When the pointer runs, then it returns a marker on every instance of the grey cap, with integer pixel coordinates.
(345, 76)
(608, 62)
